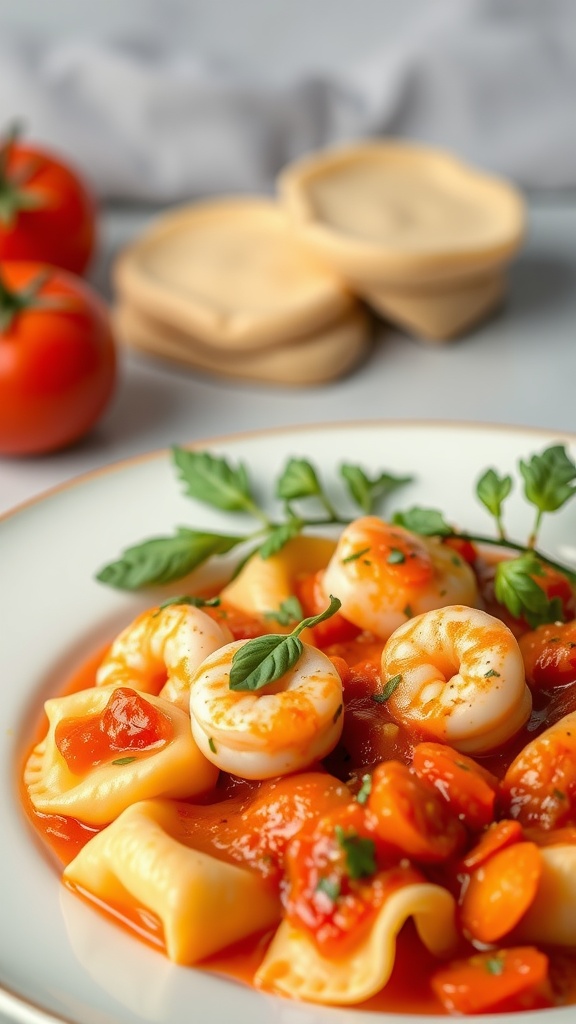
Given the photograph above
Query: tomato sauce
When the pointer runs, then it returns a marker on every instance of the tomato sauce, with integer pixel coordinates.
(233, 822)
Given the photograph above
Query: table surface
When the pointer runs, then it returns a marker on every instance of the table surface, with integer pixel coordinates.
(519, 368)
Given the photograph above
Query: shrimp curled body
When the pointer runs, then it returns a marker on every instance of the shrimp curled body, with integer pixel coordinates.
(459, 678)
(384, 574)
(158, 652)
(281, 728)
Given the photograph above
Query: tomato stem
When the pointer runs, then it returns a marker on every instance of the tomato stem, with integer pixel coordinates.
(13, 303)
(14, 197)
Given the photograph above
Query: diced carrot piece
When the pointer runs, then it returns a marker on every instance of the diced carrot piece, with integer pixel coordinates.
(500, 892)
(505, 980)
(469, 789)
(500, 835)
(411, 816)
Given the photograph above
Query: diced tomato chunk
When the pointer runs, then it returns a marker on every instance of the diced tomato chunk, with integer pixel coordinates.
(500, 891)
(470, 790)
(549, 654)
(128, 723)
(411, 816)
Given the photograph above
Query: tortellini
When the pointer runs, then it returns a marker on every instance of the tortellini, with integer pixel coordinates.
(96, 797)
(204, 904)
(294, 967)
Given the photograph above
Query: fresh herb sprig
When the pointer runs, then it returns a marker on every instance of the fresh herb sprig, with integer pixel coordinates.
(549, 481)
(214, 481)
(267, 658)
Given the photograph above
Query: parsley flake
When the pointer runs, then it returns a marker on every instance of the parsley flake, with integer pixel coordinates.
(396, 557)
(124, 760)
(330, 887)
(494, 965)
(355, 555)
(360, 853)
(387, 690)
(212, 745)
(365, 789)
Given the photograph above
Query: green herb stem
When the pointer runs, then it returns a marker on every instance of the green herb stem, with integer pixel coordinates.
(476, 538)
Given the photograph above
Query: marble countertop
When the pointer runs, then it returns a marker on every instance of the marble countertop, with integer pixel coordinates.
(519, 368)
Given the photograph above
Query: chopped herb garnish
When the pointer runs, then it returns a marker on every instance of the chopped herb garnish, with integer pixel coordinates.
(290, 611)
(396, 557)
(267, 658)
(337, 713)
(494, 965)
(124, 760)
(355, 555)
(360, 853)
(491, 673)
(212, 745)
(407, 611)
(365, 789)
(387, 690)
(559, 794)
(330, 887)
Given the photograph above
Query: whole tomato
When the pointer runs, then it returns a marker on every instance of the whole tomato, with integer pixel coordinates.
(46, 211)
(57, 358)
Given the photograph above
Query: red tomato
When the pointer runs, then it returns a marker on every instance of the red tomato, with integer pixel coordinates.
(549, 654)
(46, 211)
(57, 358)
(469, 789)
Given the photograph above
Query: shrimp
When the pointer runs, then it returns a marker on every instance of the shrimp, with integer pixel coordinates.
(459, 678)
(159, 651)
(282, 728)
(385, 574)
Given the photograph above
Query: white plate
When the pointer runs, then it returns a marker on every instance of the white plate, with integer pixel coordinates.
(59, 959)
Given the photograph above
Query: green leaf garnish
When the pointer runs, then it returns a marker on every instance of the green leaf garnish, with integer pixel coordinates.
(494, 965)
(516, 588)
(492, 491)
(165, 559)
(360, 853)
(366, 491)
(355, 555)
(124, 760)
(387, 690)
(365, 789)
(548, 482)
(191, 599)
(267, 658)
(298, 480)
(214, 481)
(280, 536)
(290, 611)
(426, 521)
(330, 887)
(396, 557)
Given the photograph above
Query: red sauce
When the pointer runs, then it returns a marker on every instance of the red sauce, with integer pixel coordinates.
(234, 822)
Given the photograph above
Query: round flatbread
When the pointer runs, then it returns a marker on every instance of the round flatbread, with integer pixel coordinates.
(315, 359)
(231, 273)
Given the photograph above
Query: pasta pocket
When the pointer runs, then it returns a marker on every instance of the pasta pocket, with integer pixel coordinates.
(551, 918)
(204, 904)
(265, 583)
(294, 967)
(89, 772)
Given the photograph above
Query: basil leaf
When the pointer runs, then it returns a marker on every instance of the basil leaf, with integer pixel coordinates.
(426, 521)
(366, 491)
(213, 480)
(516, 588)
(267, 658)
(492, 490)
(280, 536)
(164, 559)
(298, 480)
(548, 478)
(264, 660)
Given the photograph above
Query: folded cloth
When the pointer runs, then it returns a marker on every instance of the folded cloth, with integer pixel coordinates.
(494, 80)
